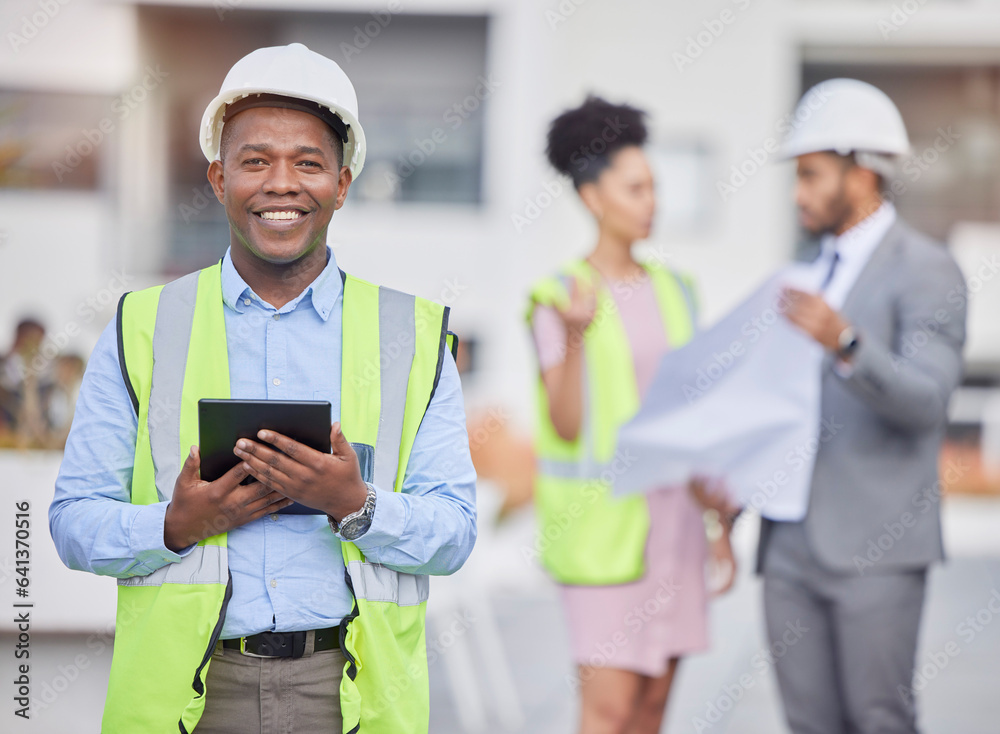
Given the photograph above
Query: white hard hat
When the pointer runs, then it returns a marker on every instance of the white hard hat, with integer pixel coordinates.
(288, 71)
(846, 116)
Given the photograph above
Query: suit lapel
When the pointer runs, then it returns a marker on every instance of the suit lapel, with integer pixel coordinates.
(876, 271)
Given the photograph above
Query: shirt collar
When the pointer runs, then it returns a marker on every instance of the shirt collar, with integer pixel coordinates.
(322, 293)
(861, 239)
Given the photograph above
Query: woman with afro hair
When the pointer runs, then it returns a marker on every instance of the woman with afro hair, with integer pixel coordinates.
(631, 571)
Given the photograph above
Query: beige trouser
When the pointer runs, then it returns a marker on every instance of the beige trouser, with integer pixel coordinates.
(248, 695)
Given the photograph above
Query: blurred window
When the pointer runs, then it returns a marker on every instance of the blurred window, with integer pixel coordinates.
(952, 114)
(52, 140)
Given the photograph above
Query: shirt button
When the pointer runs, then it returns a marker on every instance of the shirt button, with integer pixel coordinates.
(246, 301)
(274, 583)
(276, 381)
(274, 516)
(276, 316)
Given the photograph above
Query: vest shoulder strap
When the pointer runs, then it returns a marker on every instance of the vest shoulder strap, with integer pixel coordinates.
(683, 280)
(427, 315)
(134, 321)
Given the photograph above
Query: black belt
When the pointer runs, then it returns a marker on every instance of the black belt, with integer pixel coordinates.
(284, 644)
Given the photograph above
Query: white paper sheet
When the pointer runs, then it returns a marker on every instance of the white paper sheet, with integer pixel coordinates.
(740, 401)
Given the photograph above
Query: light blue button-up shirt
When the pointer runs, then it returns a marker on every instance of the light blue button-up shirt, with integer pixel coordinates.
(288, 571)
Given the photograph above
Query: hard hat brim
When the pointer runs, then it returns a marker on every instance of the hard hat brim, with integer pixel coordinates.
(798, 148)
(210, 132)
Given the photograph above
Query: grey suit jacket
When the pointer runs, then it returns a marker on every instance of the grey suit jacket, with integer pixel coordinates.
(875, 495)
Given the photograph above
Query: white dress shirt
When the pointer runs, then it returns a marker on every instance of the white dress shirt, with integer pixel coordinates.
(854, 248)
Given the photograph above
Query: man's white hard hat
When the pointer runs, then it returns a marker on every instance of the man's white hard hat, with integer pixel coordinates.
(846, 116)
(295, 72)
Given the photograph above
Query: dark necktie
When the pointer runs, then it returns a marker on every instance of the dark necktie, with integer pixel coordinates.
(833, 267)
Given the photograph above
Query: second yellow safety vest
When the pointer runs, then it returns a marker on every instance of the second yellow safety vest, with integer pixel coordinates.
(586, 536)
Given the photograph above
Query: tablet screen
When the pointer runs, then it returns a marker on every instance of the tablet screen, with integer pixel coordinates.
(222, 422)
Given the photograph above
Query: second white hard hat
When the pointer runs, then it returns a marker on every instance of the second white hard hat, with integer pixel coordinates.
(846, 116)
(288, 71)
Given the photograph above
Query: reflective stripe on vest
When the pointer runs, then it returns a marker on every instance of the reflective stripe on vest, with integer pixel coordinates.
(171, 340)
(397, 346)
(205, 564)
(375, 582)
(566, 469)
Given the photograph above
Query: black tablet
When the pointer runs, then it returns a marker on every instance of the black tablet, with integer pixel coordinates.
(222, 422)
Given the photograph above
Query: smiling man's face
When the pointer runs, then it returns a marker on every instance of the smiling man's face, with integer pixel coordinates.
(280, 181)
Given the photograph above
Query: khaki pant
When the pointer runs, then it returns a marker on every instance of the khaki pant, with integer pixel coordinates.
(248, 695)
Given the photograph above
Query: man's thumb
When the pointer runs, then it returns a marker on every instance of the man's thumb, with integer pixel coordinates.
(338, 441)
(191, 464)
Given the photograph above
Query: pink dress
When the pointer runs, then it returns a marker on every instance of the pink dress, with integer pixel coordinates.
(640, 625)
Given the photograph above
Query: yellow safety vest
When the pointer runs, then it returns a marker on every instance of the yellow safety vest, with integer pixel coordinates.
(172, 348)
(586, 535)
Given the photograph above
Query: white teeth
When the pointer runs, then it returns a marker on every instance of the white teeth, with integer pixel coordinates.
(293, 214)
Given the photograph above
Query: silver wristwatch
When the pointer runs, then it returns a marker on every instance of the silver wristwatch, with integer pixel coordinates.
(847, 343)
(356, 524)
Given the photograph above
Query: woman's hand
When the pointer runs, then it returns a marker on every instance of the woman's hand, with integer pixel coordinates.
(711, 494)
(564, 381)
(578, 315)
(722, 563)
(718, 511)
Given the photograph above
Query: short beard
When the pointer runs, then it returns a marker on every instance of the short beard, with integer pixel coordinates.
(840, 213)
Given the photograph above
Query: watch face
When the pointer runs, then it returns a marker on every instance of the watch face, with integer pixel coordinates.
(847, 342)
(347, 529)
(354, 528)
(356, 524)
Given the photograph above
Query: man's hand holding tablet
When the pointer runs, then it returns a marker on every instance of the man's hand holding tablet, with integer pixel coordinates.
(247, 440)
(200, 509)
(328, 482)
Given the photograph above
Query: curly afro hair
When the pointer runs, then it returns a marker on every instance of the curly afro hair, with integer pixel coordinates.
(582, 141)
